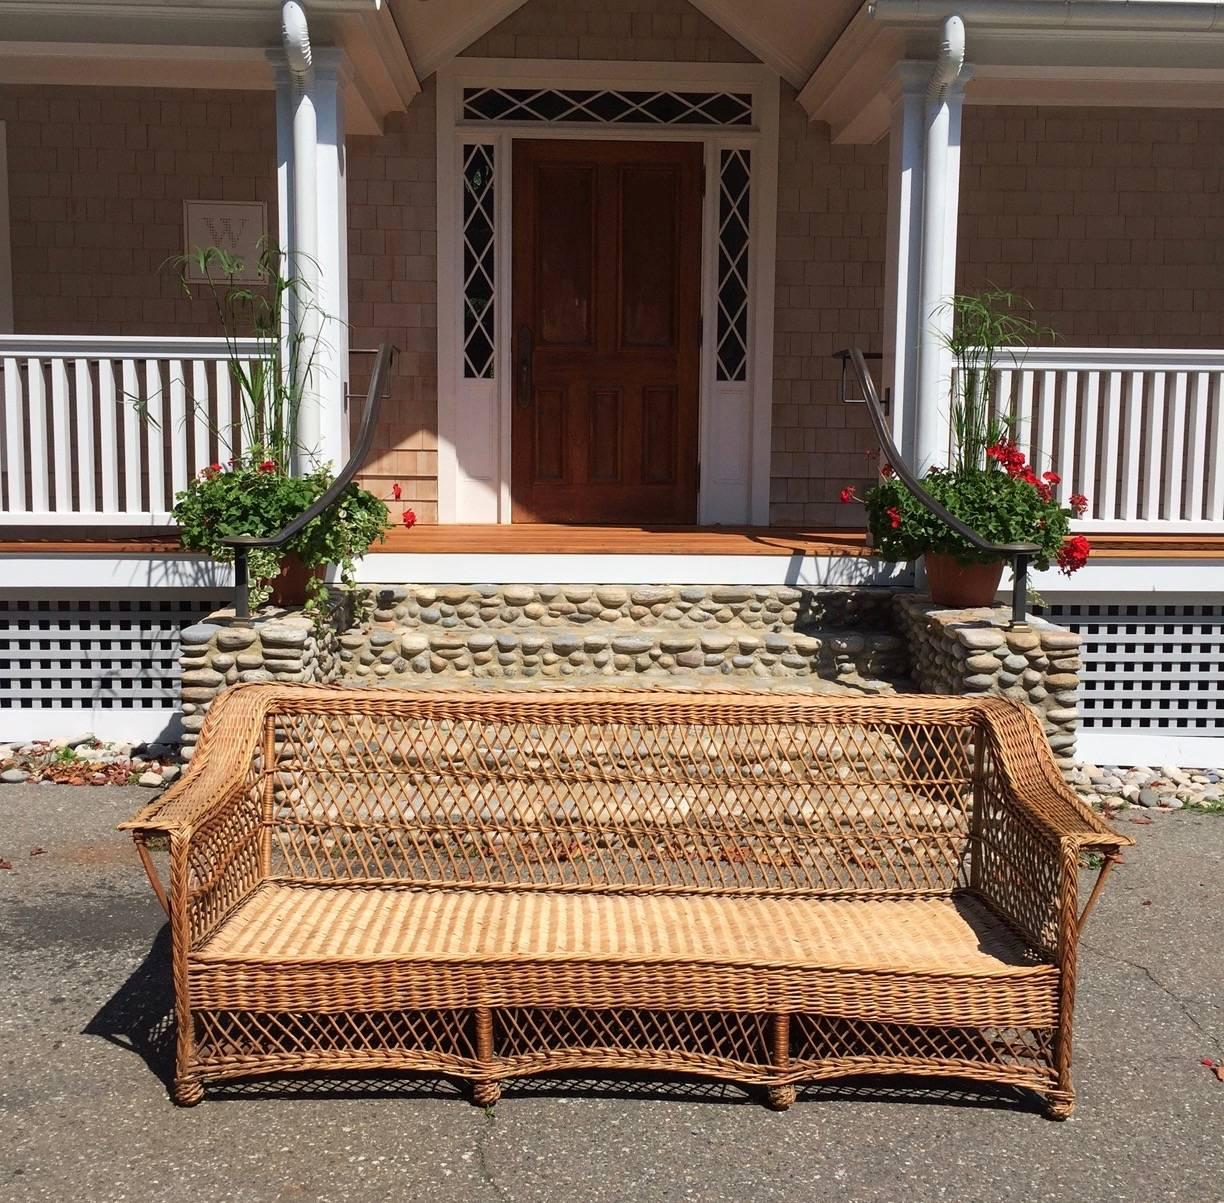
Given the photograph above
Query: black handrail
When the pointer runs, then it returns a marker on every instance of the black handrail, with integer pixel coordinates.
(242, 544)
(1020, 554)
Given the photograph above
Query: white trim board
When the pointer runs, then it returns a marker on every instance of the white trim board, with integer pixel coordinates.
(1141, 746)
(507, 569)
(132, 725)
(474, 464)
(23, 572)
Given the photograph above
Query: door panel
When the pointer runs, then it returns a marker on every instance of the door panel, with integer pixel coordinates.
(606, 314)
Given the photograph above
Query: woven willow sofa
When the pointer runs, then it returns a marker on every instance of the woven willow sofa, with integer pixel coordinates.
(761, 888)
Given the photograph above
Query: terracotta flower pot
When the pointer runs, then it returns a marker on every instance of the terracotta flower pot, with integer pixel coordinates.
(289, 586)
(961, 586)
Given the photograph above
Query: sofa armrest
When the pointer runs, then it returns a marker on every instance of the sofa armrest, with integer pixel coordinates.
(1031, 781)
(1029, 830)
(213, 817)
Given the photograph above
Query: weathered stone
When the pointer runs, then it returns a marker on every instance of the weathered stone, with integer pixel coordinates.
(631, 645)
(1057, 639)
(480, 642)
(650, 596)
(1021, 639)
(233, 639)
(716, 642)
(982, 662)
(1065, 715)
(979, 682)
(1015, 662)
(518, 595)
(677, 642)
(283, 635)
(1061, 681)
(255, 674)
(612, 597)
(725, 595)
(203, 676)
(201, 632)
(692, 594)
(566, 643)
(690, 659)
(430, 615)
(980, 639)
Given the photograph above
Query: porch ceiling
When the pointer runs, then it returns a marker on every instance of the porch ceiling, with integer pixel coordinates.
(1141, 53)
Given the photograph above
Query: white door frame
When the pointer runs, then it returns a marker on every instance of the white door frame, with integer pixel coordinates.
(474, 414)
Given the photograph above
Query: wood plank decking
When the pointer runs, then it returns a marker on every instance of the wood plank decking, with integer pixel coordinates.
(618, 540)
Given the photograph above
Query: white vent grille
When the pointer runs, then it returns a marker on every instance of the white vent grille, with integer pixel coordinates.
(1151, 666)
(116, 652)
(607, 106)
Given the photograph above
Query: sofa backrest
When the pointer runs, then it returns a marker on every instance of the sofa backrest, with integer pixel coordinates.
(652, 791)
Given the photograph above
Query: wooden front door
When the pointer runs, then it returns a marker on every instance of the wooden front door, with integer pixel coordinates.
(606, 314)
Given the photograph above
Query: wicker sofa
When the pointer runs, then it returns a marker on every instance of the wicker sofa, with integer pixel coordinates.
(767, 889)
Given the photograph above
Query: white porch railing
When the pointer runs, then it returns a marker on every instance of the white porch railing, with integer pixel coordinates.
(104, 431)
(1140, 433)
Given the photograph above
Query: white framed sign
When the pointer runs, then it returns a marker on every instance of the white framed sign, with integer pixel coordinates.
(238, 227)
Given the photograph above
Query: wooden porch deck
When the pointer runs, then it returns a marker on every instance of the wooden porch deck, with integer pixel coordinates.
(613, 540)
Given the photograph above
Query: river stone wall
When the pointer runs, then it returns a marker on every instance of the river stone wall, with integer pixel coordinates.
(979, 652)
(283, 645)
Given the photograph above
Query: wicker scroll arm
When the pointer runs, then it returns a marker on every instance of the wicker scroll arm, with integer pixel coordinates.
(1037, 824)
(212, 817)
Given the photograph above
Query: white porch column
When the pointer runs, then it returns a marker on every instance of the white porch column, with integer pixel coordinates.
(902, 328)
(316, 244)
(940, 210)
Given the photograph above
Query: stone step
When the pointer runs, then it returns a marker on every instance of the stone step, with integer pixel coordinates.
(762, 608)
(625, 651)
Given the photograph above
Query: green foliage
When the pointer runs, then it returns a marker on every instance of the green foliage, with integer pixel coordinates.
(253, 496)
(268, 388)
(1001, 507)
(984, 326)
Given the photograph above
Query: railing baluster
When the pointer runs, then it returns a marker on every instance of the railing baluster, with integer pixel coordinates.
(155, 455)
(133, 455)
(1131, 459)
(1085, 473)
(176, 429)
(1065, 464)
(201, 453)
(87, 481)
(1196, 477)
(14, 436)
(227, 445)
(1023, 433)
(108, 443)
(1152, 463)
(1215, 495)
(1044, 456)
(61, 435)
(36, 416)
(1111, 449)
(1175, 451)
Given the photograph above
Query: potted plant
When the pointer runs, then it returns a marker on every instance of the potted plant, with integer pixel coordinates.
(257, 492)
(989, 485)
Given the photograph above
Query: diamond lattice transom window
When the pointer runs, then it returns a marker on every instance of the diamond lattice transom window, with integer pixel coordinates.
(734, 187)
(479, 309)
(607, 106)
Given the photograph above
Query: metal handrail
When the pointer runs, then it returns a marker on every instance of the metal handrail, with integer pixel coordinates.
(243, 544)
(1020, 554)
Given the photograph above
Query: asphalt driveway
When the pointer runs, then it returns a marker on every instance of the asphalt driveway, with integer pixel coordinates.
(84, 1114)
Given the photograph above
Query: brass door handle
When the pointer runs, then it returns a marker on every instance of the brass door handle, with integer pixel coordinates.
(526, 366)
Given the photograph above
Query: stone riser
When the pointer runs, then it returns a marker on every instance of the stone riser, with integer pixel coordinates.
(490, 607)
(391, 656)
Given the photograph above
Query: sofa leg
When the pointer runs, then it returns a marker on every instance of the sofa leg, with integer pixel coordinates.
(485, 1094)
(781, 1097)
(1059, 1104)
(188, 1090)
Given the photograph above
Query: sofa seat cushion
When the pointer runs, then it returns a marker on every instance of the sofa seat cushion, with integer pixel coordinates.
(905, 959)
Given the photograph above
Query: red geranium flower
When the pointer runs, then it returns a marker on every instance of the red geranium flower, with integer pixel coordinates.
(1073, 554)
(1079, 504)
(847, 494)
(894, 517)
(886, 471)
(1052, 478)
(409, 518)
(396, 491)
(268, 465)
